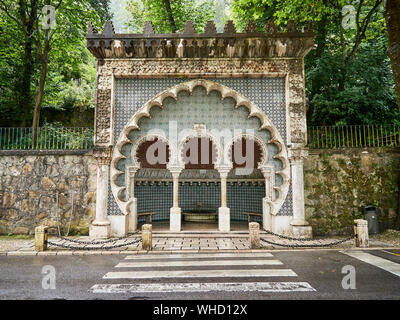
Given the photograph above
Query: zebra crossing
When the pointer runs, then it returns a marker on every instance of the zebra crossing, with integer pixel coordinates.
(200, 272)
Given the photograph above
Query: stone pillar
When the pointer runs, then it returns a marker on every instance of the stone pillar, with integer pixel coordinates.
(361, 233)
(269, 176)
(147, 237)
(100, 227)
(224, 216)
(130, 197)
(300, 227)
(41, 234)
(254, 235)
(175, 216)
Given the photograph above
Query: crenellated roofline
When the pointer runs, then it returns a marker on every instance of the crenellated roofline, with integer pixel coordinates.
(272, 43)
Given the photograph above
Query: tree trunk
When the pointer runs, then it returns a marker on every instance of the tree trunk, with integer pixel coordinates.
(392, 16)
(170, 15)
(25, 81)
(28, 67)
(39, 95)
(44, 57)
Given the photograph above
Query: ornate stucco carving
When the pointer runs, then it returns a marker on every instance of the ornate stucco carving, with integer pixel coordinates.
(256, 139)
(199, 131)
(210, 44)
(254, 111)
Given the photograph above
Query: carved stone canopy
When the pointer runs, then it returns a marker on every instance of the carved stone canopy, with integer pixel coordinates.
(252, 44)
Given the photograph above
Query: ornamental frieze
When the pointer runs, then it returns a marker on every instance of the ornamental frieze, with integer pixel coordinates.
(224, 67)
(272, 43)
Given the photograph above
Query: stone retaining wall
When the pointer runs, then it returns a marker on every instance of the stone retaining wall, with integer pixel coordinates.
(337, 184)
(29, 183)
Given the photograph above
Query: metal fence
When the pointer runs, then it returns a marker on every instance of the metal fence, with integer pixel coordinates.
(333, 137)
(46, 138)
(323, 137)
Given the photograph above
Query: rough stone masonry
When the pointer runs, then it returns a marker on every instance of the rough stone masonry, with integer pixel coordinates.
(336, 183)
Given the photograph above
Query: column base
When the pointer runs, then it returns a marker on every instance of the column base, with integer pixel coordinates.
(119, 225)
(298, 222)
(100, 230)
(224, 219)
(175, 219)
(302, 231)
(267, 217)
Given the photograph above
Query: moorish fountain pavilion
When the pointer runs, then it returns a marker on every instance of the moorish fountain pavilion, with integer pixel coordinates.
(206, 127)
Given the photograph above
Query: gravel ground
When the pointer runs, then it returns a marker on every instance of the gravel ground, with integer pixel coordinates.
(12, 244)
(391, 237)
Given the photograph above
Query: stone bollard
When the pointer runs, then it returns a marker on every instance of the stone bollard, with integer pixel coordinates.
(254, 235)
(41, 238)
(361, 233)
(147, 238)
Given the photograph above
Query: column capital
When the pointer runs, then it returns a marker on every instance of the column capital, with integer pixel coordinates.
(267, 171)
(297, 155)
(103, 155)
(175, 170)
(132, 171)
(223, 170)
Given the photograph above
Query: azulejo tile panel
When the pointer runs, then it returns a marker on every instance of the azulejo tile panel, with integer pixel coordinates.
(131, 94)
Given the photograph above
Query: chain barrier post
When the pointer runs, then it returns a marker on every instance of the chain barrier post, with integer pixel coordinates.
(361, 237)
(254, 235)
(41, 234)
(147, 237)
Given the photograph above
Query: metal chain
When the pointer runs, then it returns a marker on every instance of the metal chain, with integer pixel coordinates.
(288, 238)
(67, 246)
(295, 245)
(98, 241)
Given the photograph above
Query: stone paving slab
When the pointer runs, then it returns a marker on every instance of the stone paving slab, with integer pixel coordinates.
(183, 244)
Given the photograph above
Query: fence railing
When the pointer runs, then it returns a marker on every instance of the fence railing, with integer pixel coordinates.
(323, 137)
(46, 138)
(333, 137)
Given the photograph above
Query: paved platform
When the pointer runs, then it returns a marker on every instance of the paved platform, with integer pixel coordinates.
(178, 243)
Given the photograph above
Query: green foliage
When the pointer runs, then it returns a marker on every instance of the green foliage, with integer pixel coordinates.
(154, 10)
(71, 70)
(349, 76)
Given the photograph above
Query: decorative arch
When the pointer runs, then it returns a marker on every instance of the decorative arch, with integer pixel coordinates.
(149, 137)
(200, 132)
(257, 139)
(209, 86)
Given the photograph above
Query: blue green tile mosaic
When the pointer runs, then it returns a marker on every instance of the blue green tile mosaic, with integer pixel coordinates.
(158, 198)
(267, 93)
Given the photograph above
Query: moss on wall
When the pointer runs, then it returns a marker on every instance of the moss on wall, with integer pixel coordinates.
(338, 186)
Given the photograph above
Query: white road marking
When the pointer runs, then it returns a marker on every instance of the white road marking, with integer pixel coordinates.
(199, 255)
(203, 287)
(379, 262)
(200, 274)
(139, 264)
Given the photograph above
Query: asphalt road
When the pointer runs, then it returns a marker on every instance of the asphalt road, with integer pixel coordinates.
(21, 277)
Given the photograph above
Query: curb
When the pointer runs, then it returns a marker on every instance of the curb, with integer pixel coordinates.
(161, 252)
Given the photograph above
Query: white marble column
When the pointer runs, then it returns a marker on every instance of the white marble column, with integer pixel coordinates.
(269, 176)
(299, 225)
(130, 197)
(175, 212)
(100, 227)
(224, 216)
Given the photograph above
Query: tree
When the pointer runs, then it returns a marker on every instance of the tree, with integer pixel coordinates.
(24, 15)
(392, 16)
(351, 44)
(42, 44)
(169, 16)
